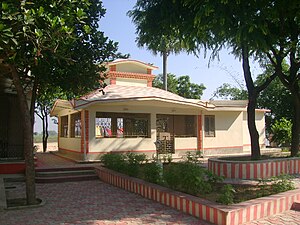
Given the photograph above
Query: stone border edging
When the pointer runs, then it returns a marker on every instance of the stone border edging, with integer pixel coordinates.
(203, 209)
(42, 203)
(254, 169)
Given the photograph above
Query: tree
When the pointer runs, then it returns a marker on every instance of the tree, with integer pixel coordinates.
(163, 42)
(46, 96)
(181, 86)
(282, 132)
(239, 25)
(172, 82)
(55, 43)
(276, 97)
(227, 91)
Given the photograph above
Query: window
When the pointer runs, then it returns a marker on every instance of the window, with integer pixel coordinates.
(64, 126)
(121, 125)
(179, 125)
(209, 126)
(76, 125)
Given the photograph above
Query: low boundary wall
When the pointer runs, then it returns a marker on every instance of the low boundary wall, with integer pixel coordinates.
(203, 209)
(254, 169)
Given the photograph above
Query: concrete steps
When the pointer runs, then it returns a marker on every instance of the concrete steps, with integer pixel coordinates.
(59, 175)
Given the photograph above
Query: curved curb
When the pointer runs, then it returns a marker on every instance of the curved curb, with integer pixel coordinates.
(42, 203)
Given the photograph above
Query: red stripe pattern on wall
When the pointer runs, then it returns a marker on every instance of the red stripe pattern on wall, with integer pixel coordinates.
(254, 170)
(204, 210)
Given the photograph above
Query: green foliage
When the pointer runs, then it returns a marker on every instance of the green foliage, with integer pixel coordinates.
(275, 185)
(181, 86)
(263, 188)
(282, 132)
(227, 195)
(266, 30)
(227, 91)
(282, 183)
(152, 173)
(193, 157)
(187, 177)
(133, 163)
(114, 162)
(129, 163)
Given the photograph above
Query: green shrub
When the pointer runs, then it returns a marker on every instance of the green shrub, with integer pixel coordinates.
(129, 163)
(282, 183)
(114, 162)
(282, 131)
(172, 175)
(152, 173)
(187, 177)
(213, 178)
(133, 163)
(193, 157)
(227, 195)
(263, 188)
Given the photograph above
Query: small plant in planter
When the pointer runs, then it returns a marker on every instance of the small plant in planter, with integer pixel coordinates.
(193, 157)
(227, 195)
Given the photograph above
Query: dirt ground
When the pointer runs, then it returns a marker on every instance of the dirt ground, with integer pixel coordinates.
(52, 146)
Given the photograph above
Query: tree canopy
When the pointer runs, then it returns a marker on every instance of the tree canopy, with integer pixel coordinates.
(181, 86)
(259, 29)
(55, 43)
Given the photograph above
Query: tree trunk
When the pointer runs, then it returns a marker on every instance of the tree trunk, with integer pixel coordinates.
(28, 138)
(252, 97)
(45, 131)
(254, 136)
(165, 75)
(295, 126)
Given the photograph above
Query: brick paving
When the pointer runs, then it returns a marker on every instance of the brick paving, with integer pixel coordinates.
(290, 217)
(94, 202)
(91, 202)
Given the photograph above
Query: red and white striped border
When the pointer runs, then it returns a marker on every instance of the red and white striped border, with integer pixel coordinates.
(254, 170)
(205, 210)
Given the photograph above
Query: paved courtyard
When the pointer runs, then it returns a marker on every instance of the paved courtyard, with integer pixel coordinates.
(95, 202)
(91, 202)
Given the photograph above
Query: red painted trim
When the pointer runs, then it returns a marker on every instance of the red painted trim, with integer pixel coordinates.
(12, 168)
(141, 76)
(199, 141)
(113, 81)
(113, 68)
(82, 136)
(87, 124)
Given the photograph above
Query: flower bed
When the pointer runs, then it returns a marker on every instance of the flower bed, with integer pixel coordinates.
(203, 209)
(260, 169)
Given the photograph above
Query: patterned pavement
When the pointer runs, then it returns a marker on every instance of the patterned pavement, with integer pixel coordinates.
(91, 202)
(287, 218)
(94, 202)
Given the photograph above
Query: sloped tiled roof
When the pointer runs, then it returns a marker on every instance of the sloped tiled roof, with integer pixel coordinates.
(123, 93)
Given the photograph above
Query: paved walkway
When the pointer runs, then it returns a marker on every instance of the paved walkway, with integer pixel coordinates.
(92, 202)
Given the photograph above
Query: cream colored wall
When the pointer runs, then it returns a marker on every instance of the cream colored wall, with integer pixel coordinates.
(186, 143)
(260, 125)
(73, 144)
(131, 82)
(229, 131)
(128, 144)
(68, 143)
(131, 68)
